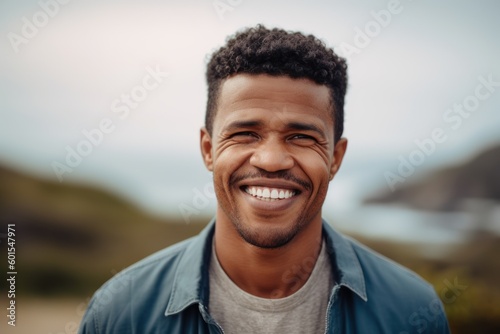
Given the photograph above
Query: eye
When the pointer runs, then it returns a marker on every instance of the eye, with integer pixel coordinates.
(301, 136)
(244, 136)
(301, 139)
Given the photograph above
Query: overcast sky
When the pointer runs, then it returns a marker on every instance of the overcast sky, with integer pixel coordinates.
(65, 67)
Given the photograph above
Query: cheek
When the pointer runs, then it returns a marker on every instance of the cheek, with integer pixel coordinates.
(317, 167)
(233, 153)
(228, 162)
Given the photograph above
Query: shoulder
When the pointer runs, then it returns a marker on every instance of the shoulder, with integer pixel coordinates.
(397, 295)
(364, 270)
(146, 285)
(155, 267)
(381, 271)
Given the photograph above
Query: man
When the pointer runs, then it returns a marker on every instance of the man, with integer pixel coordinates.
(268, 263)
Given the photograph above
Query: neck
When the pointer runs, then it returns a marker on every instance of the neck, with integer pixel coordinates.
(268, 272)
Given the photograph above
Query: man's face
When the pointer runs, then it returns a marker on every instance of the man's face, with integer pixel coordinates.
(272, 154)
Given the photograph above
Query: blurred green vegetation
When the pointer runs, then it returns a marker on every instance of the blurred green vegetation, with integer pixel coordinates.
(72, 238)
(466, 279)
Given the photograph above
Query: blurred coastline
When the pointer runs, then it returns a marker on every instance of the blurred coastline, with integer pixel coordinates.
(71, 238)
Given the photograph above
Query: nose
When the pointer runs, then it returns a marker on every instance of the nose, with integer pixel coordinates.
(272, 156)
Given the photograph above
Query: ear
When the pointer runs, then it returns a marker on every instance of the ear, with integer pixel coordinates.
(338, 156)
(206, 148)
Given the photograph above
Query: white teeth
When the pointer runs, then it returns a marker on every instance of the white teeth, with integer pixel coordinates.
(269, 193)
(274, 193)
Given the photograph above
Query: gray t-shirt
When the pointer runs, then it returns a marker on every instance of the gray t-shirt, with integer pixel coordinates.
(239, 312)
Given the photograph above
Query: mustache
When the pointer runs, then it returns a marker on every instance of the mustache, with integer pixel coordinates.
(284, 175)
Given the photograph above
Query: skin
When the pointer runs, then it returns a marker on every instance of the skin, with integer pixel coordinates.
(276, 133)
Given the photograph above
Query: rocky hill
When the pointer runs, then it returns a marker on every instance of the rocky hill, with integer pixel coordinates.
(450, 188)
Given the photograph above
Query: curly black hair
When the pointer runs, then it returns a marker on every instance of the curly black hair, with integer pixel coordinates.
(279, 53)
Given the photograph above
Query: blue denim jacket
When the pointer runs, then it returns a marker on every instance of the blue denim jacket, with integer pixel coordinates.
(168, 292)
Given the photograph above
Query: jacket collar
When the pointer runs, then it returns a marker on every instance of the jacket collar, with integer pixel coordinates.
(345, 263)
(190, 285)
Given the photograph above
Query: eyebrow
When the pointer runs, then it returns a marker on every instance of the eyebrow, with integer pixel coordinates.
(305, 127)
(289, 126)
(242, 124)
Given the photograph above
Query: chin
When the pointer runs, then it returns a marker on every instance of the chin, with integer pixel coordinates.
(268, 237)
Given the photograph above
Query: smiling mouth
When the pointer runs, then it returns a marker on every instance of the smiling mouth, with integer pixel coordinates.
(269, 194)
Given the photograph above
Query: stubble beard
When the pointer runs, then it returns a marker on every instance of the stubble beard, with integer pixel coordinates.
(272, 237)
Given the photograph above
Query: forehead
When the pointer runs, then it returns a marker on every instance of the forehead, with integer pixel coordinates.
(245, 88)
(246, 91)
